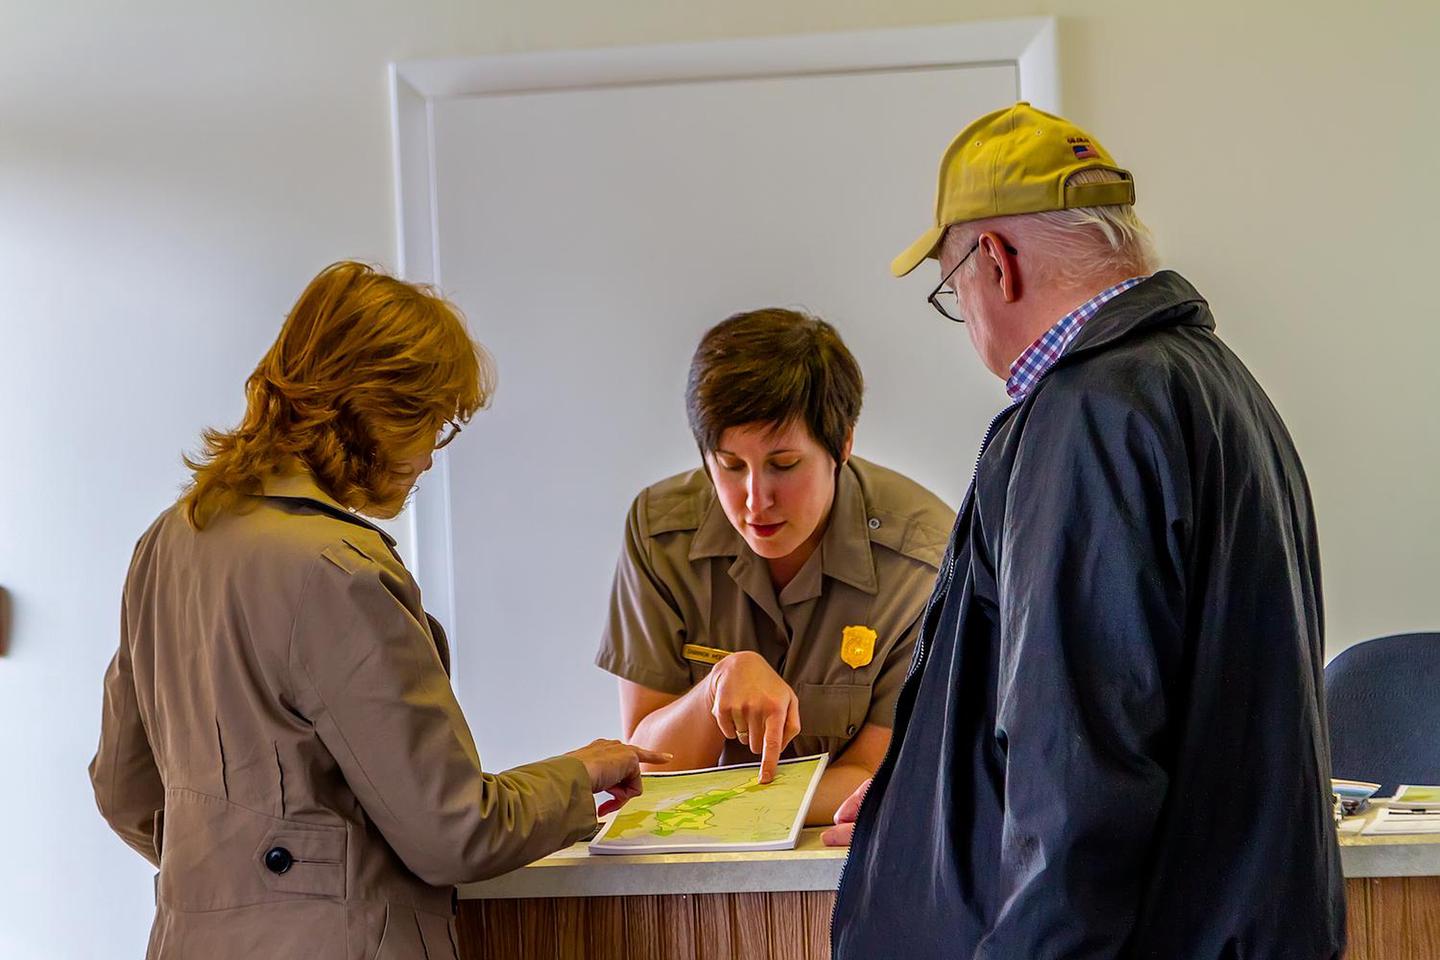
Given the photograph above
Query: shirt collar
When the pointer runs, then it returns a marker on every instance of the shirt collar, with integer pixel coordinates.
(1037, 359)
(298, 483)
(844, 550)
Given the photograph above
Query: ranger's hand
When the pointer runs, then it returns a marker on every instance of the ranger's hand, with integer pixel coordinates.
(752, 704)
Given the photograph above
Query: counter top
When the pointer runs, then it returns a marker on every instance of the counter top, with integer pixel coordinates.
(1387, 855)
(574, 872)
(812, 866)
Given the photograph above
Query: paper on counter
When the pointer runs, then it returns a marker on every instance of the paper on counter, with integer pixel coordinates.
(1412, 797)
(1389, 821)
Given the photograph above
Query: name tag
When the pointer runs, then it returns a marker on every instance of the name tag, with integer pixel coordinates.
(698, 654)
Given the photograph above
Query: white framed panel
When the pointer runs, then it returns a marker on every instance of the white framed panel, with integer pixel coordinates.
(593, 213)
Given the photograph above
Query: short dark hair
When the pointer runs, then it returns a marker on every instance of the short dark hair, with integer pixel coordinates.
(774, 366)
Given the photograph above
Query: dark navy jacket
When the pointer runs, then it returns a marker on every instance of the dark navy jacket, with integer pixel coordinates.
(1112, 742)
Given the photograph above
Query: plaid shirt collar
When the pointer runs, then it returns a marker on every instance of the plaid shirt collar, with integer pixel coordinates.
(1043, 354)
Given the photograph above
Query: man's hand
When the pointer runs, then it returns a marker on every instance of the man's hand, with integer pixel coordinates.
(844, 829)
(752, 704)
(614, 767)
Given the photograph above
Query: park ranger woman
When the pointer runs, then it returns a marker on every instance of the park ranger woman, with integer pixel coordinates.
(766, 603)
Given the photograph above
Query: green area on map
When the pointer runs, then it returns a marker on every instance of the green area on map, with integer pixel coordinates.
(1417, 794)
(714, 806)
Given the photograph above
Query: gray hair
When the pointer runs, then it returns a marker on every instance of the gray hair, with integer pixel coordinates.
(1072, 246)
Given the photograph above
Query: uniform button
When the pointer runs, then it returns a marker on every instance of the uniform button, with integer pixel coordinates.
(850, 730)
(874, 523)
(278, 860)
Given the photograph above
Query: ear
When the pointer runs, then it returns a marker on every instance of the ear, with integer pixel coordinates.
(999, 257)
(845, 450)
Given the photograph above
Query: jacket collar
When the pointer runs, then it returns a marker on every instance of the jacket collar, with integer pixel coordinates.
(1165, 300)
(844, 550)
(298, 483)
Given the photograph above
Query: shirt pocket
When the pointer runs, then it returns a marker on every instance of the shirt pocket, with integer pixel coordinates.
(698, 671)
(832, 712)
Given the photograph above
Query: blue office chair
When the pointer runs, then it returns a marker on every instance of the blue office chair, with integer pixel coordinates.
(1383, 699)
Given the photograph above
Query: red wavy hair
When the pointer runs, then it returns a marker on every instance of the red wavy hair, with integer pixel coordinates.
(365, 371)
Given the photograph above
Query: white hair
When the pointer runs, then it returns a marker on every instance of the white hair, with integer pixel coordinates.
(1071, 247)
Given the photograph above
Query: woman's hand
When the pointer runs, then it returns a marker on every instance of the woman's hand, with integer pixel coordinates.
(614, 768)
(844, 829)
(752, 704)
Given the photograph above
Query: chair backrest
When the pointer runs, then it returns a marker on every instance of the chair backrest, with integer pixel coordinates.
(1383, 701)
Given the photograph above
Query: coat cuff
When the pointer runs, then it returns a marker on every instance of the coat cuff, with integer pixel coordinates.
(579, 818)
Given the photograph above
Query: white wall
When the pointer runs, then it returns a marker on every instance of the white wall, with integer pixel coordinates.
(171, 174)
(168, 182)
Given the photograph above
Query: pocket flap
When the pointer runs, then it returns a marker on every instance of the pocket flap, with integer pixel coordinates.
(317, 856)
(832, 710)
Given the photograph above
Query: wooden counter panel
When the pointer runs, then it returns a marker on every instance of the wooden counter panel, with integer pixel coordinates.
(1390, 918)
(710, 926)
(1393, 918)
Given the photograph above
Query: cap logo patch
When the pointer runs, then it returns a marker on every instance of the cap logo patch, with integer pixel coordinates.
(1083, 151)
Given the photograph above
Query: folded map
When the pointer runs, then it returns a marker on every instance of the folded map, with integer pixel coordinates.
(722, 808)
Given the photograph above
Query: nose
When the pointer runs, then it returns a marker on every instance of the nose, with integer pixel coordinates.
(758, 495)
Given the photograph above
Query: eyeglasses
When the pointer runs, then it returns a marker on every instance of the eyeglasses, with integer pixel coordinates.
(944, 298)
(446, 433)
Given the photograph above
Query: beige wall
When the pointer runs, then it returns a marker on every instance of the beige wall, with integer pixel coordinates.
(170, 174)
(1287, 156)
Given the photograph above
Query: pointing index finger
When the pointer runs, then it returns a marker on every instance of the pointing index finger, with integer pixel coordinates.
(774, 743)
(645, 755)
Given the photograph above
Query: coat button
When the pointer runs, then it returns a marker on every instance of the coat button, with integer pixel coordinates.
(850, 730)
(874, 523)
(278, 860)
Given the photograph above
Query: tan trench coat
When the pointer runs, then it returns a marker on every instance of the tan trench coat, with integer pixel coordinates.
(280, 739)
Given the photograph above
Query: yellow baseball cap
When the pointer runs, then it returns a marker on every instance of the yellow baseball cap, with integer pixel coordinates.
(1013, 161)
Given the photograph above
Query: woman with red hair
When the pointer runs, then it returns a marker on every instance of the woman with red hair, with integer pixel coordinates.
(280, 738)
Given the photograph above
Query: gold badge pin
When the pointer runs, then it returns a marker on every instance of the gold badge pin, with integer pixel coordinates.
(857, 646)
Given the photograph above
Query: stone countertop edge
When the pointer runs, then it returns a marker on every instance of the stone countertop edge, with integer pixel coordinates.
(575, 872)
(1388, 855)
(811, 866)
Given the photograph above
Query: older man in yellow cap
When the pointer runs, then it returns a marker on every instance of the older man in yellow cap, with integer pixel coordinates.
(1112, 741)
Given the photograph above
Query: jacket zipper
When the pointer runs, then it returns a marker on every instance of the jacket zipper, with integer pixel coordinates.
(947, 568)
(942, 590)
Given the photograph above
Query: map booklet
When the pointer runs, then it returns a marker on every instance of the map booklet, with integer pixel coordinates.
(719, 809)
